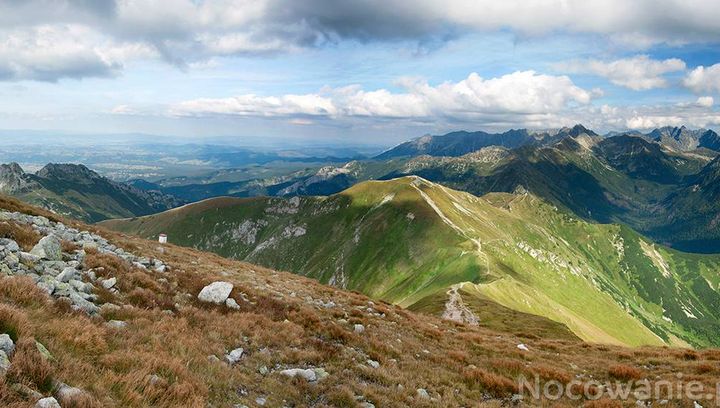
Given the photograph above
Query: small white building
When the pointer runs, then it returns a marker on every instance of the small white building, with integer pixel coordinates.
(162, 239)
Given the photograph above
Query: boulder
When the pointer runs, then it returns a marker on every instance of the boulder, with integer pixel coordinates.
(66, 275)
(28, 259)
(234, 356)
(359, 328)
(48, 402)
(4, 363)
(43, 351)
(6, 344)
(116, 324)
(65, 392)
(10, 245)
(422, 393)
(231, 303)
(48, 248)
(216, 292)
(80, 303)
(307, 374)
(108, 283)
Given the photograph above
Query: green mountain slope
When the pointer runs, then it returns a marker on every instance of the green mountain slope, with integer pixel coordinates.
(408, 239)
(78, 192)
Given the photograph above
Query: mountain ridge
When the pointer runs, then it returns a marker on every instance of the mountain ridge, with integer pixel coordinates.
(405, 239)
(75, 190)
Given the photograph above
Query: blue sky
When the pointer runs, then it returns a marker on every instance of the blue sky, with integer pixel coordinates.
(368, 71)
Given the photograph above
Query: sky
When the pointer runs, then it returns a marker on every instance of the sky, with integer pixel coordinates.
(356, 72)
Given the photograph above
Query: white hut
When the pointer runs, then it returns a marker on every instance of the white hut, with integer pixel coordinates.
(162, 239)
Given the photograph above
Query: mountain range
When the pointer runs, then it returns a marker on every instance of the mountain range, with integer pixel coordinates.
(408, 241)
(642, 180)
(76, 191)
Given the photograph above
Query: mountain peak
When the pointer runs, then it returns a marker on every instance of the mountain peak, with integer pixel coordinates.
(67, 172)
(13, 179)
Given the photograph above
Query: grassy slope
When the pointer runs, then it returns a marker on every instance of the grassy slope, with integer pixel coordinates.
(160, 360)
(406, 239)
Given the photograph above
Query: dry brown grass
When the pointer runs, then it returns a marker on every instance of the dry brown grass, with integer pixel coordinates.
(30, 368)
(24, 235)
(624, 372)
(491, 383)
(459, 365)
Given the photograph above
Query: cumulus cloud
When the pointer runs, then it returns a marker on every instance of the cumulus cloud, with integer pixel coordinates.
(522, 96)
(697, 114)
(637, 73)
(47, 53)
(704, 79)
(186, 31)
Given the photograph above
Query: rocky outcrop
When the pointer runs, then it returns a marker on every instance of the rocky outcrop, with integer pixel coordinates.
(14, 180)
(63, 274)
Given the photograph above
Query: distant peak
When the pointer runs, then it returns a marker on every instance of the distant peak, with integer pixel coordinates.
(11, 168)
(66, 171)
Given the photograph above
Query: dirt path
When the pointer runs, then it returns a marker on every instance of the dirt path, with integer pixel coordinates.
(456, 310)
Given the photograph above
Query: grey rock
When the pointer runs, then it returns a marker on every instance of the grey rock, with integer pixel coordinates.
(4, 363)
(231, 303)
(359, 328)
(116, 324)
(26, 391)
(308, 374)
(63, 289)
(11, 260)
(260, 401)
(48, 248)
(320, 373)
(10, 245)
(64, 391)
(422, 393)
(216, 292)
(28, 259)
(108, 283)
(67, 274)
(43, 351)
(7, 345)
(234, 356)
(373, 364)
(48, 402)
(84, 305)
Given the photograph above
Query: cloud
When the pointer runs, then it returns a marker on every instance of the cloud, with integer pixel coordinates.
(705, 101)
(704, 79)
(698, 114)
(183, 32)
(523, 97)
(637, 73)
(48, 53)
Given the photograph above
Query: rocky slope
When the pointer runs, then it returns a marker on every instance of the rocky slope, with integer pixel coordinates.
(76, 191)
(408, 239)
(180, 327)
(461, 143)
(684, 139)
